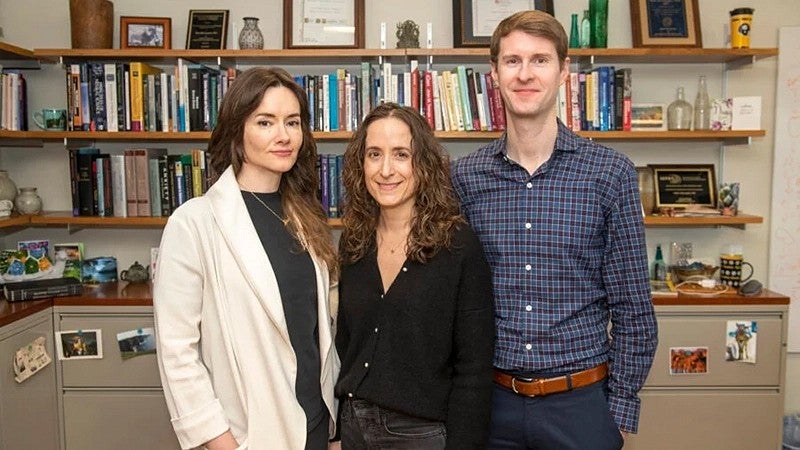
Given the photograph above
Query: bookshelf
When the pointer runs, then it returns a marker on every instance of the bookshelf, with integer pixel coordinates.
(444, 57)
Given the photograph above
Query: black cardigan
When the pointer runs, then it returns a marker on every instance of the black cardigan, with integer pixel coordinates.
(425, 347)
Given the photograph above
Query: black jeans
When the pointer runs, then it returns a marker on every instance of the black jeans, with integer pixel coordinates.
(366, 426)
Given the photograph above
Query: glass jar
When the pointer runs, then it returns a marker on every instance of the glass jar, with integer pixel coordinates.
(8, 189)
(250, 37)
(702, 106)
(28, 201)
(679, 112)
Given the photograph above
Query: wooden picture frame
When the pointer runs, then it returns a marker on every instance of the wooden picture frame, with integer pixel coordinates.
(303, 27)
(208, 29)
(474, 21)
(683, 185)
(145, 32)
(665, 23)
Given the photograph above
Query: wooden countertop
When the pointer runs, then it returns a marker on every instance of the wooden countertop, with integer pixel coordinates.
(126, 294)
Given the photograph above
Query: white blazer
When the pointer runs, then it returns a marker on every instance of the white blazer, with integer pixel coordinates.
(224, 352)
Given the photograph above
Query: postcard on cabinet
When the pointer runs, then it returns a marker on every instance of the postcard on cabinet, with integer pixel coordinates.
(740, 341)
(141, 341)
(79, 344)
(30, 359)
(688, 360)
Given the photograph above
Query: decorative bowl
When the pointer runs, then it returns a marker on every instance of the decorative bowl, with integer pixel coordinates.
(684, 273)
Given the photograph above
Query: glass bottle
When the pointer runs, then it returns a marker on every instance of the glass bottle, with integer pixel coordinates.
(659, 266)
(702, 106)
(574, 33)
(679, 112)
(598, 11)
(586, 30)
(250, 37)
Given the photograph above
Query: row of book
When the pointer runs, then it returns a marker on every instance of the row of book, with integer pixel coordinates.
(13, 104)
(331, 190)
(140, 182)
(596, 100)
(137, 96)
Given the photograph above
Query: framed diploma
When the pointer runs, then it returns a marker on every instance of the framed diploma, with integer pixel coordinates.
(665, 23)
(208, 29)
(323, 23)
(474, 21)
(682, 185)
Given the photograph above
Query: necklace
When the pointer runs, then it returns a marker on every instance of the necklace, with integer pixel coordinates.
(392, 249)
(268, 208)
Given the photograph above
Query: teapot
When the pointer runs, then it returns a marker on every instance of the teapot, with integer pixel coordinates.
(136, 273)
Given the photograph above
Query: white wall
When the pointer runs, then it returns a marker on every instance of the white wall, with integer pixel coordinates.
(45, 24)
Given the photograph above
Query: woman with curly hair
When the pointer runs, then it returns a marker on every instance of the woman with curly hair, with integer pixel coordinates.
(415, 327)
(245, 343)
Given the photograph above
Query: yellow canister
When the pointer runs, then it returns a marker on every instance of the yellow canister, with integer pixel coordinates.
(741, 24)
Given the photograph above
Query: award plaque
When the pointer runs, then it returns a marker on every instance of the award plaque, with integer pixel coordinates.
(681, 185)
(665, 23)
(208, 29)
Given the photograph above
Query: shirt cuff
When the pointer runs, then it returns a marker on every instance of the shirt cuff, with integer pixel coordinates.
(625, 412)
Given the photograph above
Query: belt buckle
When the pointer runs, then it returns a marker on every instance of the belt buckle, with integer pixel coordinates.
(539, 381)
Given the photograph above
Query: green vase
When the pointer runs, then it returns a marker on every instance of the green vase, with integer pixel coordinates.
(574, 34)
(598, 16)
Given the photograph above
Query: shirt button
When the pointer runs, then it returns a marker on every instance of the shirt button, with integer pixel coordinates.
(376, 329)
(529, 185)
(366, 364)
(528, 308)
(405, 269)
(527, 267)
(528, 226)
(381, 295)
(350, 394)
(528, 346)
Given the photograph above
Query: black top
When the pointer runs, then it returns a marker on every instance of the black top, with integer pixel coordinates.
(295, 275)
(425, 347)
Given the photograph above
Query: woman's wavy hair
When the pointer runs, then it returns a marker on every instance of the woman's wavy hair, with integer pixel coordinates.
(436, 209)
(298, 186)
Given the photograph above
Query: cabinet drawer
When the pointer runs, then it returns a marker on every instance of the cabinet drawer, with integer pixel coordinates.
(111, 370)
(119, 420)
(709, 330)
(708, 419)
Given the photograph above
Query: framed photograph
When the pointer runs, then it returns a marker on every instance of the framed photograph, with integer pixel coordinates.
(145, 32)
(79, 344)
(682, 185)
(474, 21)
(315, 24)
(208, 29)
(665, 23)
(648, 117)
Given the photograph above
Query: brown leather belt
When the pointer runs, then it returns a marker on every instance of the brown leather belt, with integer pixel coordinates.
(547, 386)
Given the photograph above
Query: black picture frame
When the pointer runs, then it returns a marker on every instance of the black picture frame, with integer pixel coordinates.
(682, 185)
(207, 30)
(464, 21)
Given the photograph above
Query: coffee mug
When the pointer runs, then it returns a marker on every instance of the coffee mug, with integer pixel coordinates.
(730, 272)
(51, 119)
(5, 207)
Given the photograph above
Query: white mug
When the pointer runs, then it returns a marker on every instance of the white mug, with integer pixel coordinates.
(5, 207)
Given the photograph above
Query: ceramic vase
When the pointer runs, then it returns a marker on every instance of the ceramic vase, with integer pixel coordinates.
(8, 189)
(250, 37)
(28, 201)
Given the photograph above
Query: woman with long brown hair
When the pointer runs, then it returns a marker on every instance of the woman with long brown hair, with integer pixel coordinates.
(415, 327)
(241, 293)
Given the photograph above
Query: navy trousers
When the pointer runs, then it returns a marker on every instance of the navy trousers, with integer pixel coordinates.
(579, 419)
(368, 426)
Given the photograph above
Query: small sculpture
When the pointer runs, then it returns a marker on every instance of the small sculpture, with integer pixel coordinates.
(407, 34)
(136, 273)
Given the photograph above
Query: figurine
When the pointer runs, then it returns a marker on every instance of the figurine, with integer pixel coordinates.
(408, 34)
(136, 273)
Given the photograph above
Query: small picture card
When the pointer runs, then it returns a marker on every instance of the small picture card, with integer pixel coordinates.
(80, 344)
(688, 360)
(746, 113)
(740, 341)
(72, 255)
(648, 117)
(721, 114)
(30, 359)
(37, 248)
(137, 342)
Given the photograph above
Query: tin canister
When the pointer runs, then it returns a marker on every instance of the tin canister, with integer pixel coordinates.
(741, 24)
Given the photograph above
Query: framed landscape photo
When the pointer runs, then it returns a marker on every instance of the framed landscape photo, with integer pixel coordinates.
(474, 21)
(665, 23)
(648, 117)
(145, 32)
(316, 24)
(208, 29)
(682, 185)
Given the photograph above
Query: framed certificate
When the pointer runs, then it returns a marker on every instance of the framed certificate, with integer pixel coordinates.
(474, 21)
(665, 23)
(323, 23)
(208, 29)
(681, 185)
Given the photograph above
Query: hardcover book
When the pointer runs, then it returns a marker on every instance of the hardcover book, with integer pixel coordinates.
(38, 289)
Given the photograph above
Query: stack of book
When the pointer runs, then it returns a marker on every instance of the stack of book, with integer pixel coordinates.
(42, 288)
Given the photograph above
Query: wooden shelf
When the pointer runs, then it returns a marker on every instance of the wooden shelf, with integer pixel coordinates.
(14, 220)
(704, 221)
(65, 218)
(14, 57)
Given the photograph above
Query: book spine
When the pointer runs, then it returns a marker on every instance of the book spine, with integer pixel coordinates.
(110, 78)
(130, 184)
(14, 295)
(137, 114)
(98, 95)
(118, 185)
